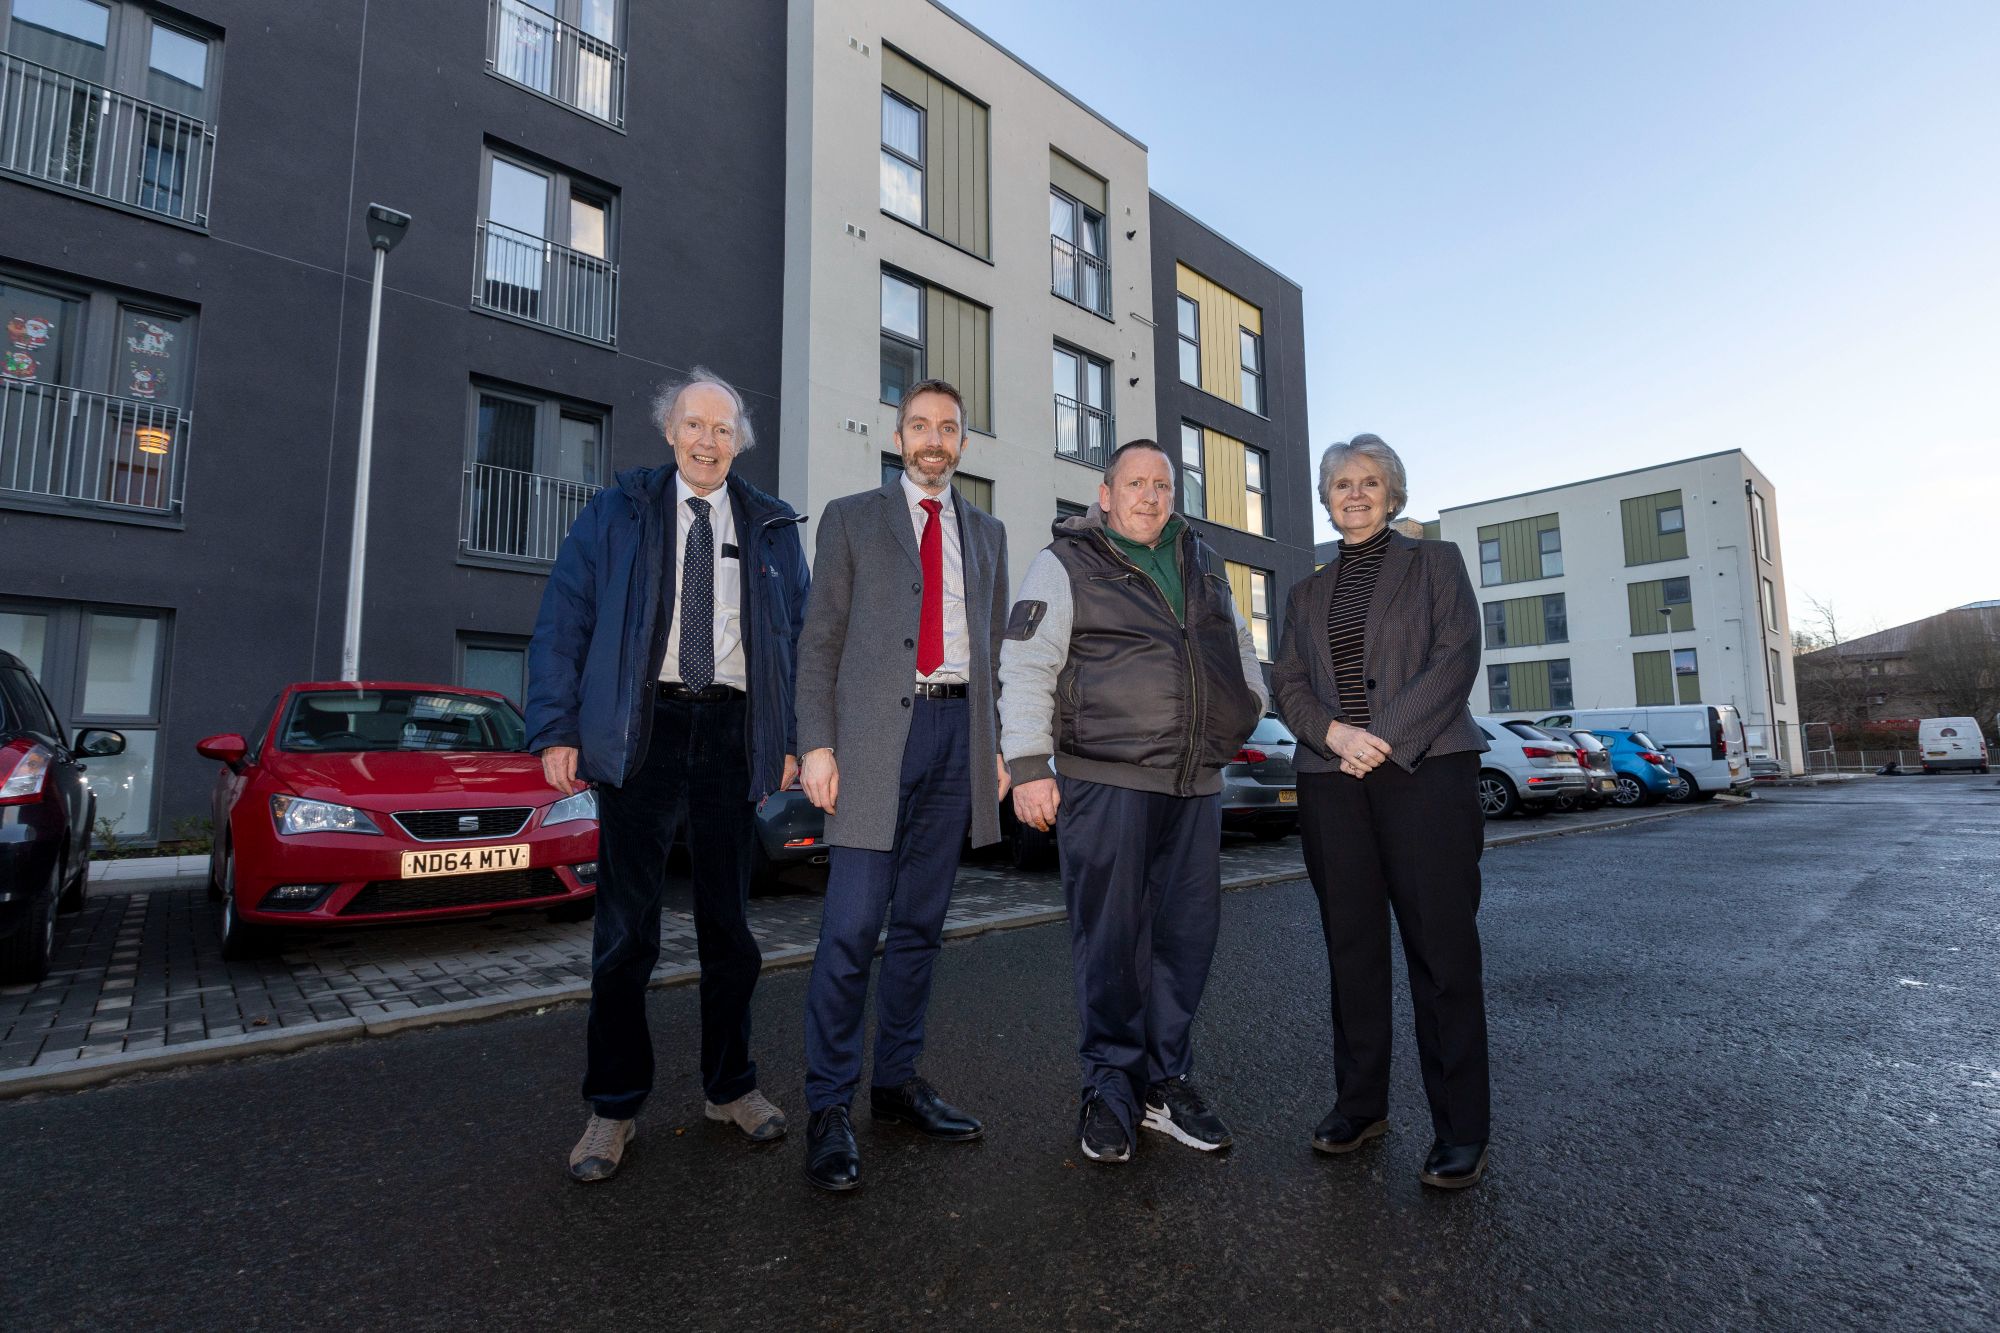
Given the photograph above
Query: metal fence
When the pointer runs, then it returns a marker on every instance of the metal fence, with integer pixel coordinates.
(518, 515)
(533, 279)
(538, 50)
(61, 130)
(65, 444)
(1082, 432)
(1079, 278)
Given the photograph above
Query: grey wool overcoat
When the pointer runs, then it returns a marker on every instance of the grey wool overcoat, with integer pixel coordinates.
(858, 657)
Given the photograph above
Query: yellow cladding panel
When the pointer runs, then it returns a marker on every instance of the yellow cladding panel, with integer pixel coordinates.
(1239, 586)
(1222, 460)
(1223, 312)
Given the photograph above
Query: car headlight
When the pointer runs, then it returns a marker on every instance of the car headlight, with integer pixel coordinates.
(569, 809)
(295, 814)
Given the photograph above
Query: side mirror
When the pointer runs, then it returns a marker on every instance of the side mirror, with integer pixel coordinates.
(228, 748)
(99, 743)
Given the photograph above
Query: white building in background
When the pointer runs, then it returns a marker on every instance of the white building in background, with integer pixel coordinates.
(1661, 585)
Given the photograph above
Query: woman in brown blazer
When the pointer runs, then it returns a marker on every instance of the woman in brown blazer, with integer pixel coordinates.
(1379, 655)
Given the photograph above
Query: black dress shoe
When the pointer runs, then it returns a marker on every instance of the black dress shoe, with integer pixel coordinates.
(917, 1104)
(1454, 1167)
(832, 1160)
(1343, 1133)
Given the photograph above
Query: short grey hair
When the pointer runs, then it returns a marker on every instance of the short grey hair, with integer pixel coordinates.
(1372, 448)
(667, 404)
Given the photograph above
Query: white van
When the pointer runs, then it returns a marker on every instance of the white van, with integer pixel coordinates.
(1706, 741)
(1951, 743)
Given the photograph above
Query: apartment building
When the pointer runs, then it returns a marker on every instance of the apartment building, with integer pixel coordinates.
(1662, 585)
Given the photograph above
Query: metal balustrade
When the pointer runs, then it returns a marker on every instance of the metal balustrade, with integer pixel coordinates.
(63, 131)
(538, 50)
(518, 515)
(1083, 432)
(59, 443)
(1079, 278)
(537, 280)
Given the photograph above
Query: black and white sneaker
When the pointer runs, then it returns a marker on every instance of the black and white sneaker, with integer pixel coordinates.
(1177, 1108)
(1103, 1136)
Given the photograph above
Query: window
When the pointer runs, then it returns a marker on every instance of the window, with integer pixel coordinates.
(1520, 686)
(1555, 619)
(1674, 592)
(1084, 428)
(975, 491)
(1256, 514)
(567, 50)
(1070, 509)
(1684, 662)
(1550, 542)
(902, 158)
(1499, 690)
(532, 462)
(1252, 348)
(1769, 595)
(546, 241)
(1777, 677)
(1495, 616)
(1671, 520)
(902, 336)
(109, 100)
(1526, 620)
(94, 391)
(1489, 561)
(494, 662)
(1194, 488)
(1559, 690)
(1259, 612)
(1188, 315)
(1761, 524)
(936, 155)
(101, 667)
(928, 332)
(1078, 273)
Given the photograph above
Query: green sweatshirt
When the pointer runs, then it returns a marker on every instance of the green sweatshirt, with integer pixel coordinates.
(1161, 561)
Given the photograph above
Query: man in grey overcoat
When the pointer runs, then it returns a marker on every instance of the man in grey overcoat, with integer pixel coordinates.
(898, 742)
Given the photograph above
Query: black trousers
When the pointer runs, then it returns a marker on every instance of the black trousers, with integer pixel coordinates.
(697, 771)
(1410, 841)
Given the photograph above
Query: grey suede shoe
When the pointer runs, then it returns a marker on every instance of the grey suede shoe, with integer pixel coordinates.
(752, 1113)
(600, 1150)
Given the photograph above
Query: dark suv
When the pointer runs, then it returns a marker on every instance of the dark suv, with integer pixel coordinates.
(46, 813)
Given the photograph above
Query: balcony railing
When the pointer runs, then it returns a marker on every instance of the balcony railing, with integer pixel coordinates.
(1083, 433)
(1079, 278)
(64, 444)
(517, 515)
(545, 283)
(61, 131)
(539, 51)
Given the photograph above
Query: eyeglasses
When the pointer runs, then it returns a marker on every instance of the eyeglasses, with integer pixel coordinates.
(720, 433)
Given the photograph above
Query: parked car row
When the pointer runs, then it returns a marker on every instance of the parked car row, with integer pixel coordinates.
(1583, 759)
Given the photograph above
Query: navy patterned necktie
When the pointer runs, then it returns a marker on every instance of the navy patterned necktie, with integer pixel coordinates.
(698, 601)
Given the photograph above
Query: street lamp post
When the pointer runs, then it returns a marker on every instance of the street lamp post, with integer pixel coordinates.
(1673, 680)
(385, 227)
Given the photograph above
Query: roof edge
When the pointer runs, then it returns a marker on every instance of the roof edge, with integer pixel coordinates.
(1609, 476)
(1282, 276)
(1084, 106)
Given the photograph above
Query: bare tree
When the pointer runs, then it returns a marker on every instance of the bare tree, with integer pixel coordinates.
(1833, 685)
(1956, 660)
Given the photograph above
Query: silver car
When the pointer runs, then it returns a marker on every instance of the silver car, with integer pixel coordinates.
(1260, 792)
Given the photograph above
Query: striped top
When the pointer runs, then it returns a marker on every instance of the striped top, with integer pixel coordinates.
(1347, 623)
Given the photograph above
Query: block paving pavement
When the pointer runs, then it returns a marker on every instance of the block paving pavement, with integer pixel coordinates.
(141, 969)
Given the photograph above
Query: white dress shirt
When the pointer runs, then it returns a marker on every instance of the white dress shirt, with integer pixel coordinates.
(729, 665)
(956, 668)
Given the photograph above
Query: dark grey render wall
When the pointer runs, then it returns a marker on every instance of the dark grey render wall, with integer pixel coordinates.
(324, 107)
(1288, 552)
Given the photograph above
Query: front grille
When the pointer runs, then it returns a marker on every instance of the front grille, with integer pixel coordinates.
(443, 825)
(421, 895)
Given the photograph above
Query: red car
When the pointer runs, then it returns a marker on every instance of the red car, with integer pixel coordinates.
(378, 801)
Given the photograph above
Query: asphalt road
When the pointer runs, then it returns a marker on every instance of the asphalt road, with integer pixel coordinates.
(1747, 1074)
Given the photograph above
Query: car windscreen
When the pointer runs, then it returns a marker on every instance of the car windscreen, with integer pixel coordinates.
(1271, 731)
(352, 721)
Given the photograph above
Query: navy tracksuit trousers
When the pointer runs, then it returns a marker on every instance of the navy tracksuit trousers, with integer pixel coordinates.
(1142, 878)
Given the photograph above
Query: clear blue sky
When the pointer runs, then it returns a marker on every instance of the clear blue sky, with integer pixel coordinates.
(1545, 241)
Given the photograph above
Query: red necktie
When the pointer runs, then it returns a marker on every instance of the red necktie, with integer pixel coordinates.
(930, 625)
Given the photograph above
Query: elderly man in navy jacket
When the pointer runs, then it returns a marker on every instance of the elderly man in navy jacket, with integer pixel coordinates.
(662, 673)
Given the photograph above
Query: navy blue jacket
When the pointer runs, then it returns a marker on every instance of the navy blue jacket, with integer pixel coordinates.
(605, 613)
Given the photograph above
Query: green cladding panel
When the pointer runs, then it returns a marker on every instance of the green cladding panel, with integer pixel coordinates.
(1645, 544)
(1652, 679)
(1525, 623)
(1433, 530)
(1529, 683)
(1647, 600)
(1520, 546)
(958, 346)
(957, 153)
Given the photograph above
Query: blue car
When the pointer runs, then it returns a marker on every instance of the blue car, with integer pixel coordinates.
(1646, 773)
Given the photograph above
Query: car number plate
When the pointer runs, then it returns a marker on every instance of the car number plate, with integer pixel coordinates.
(1933, 754)
(1565, 761)
(1288, 798)
(465, 861)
